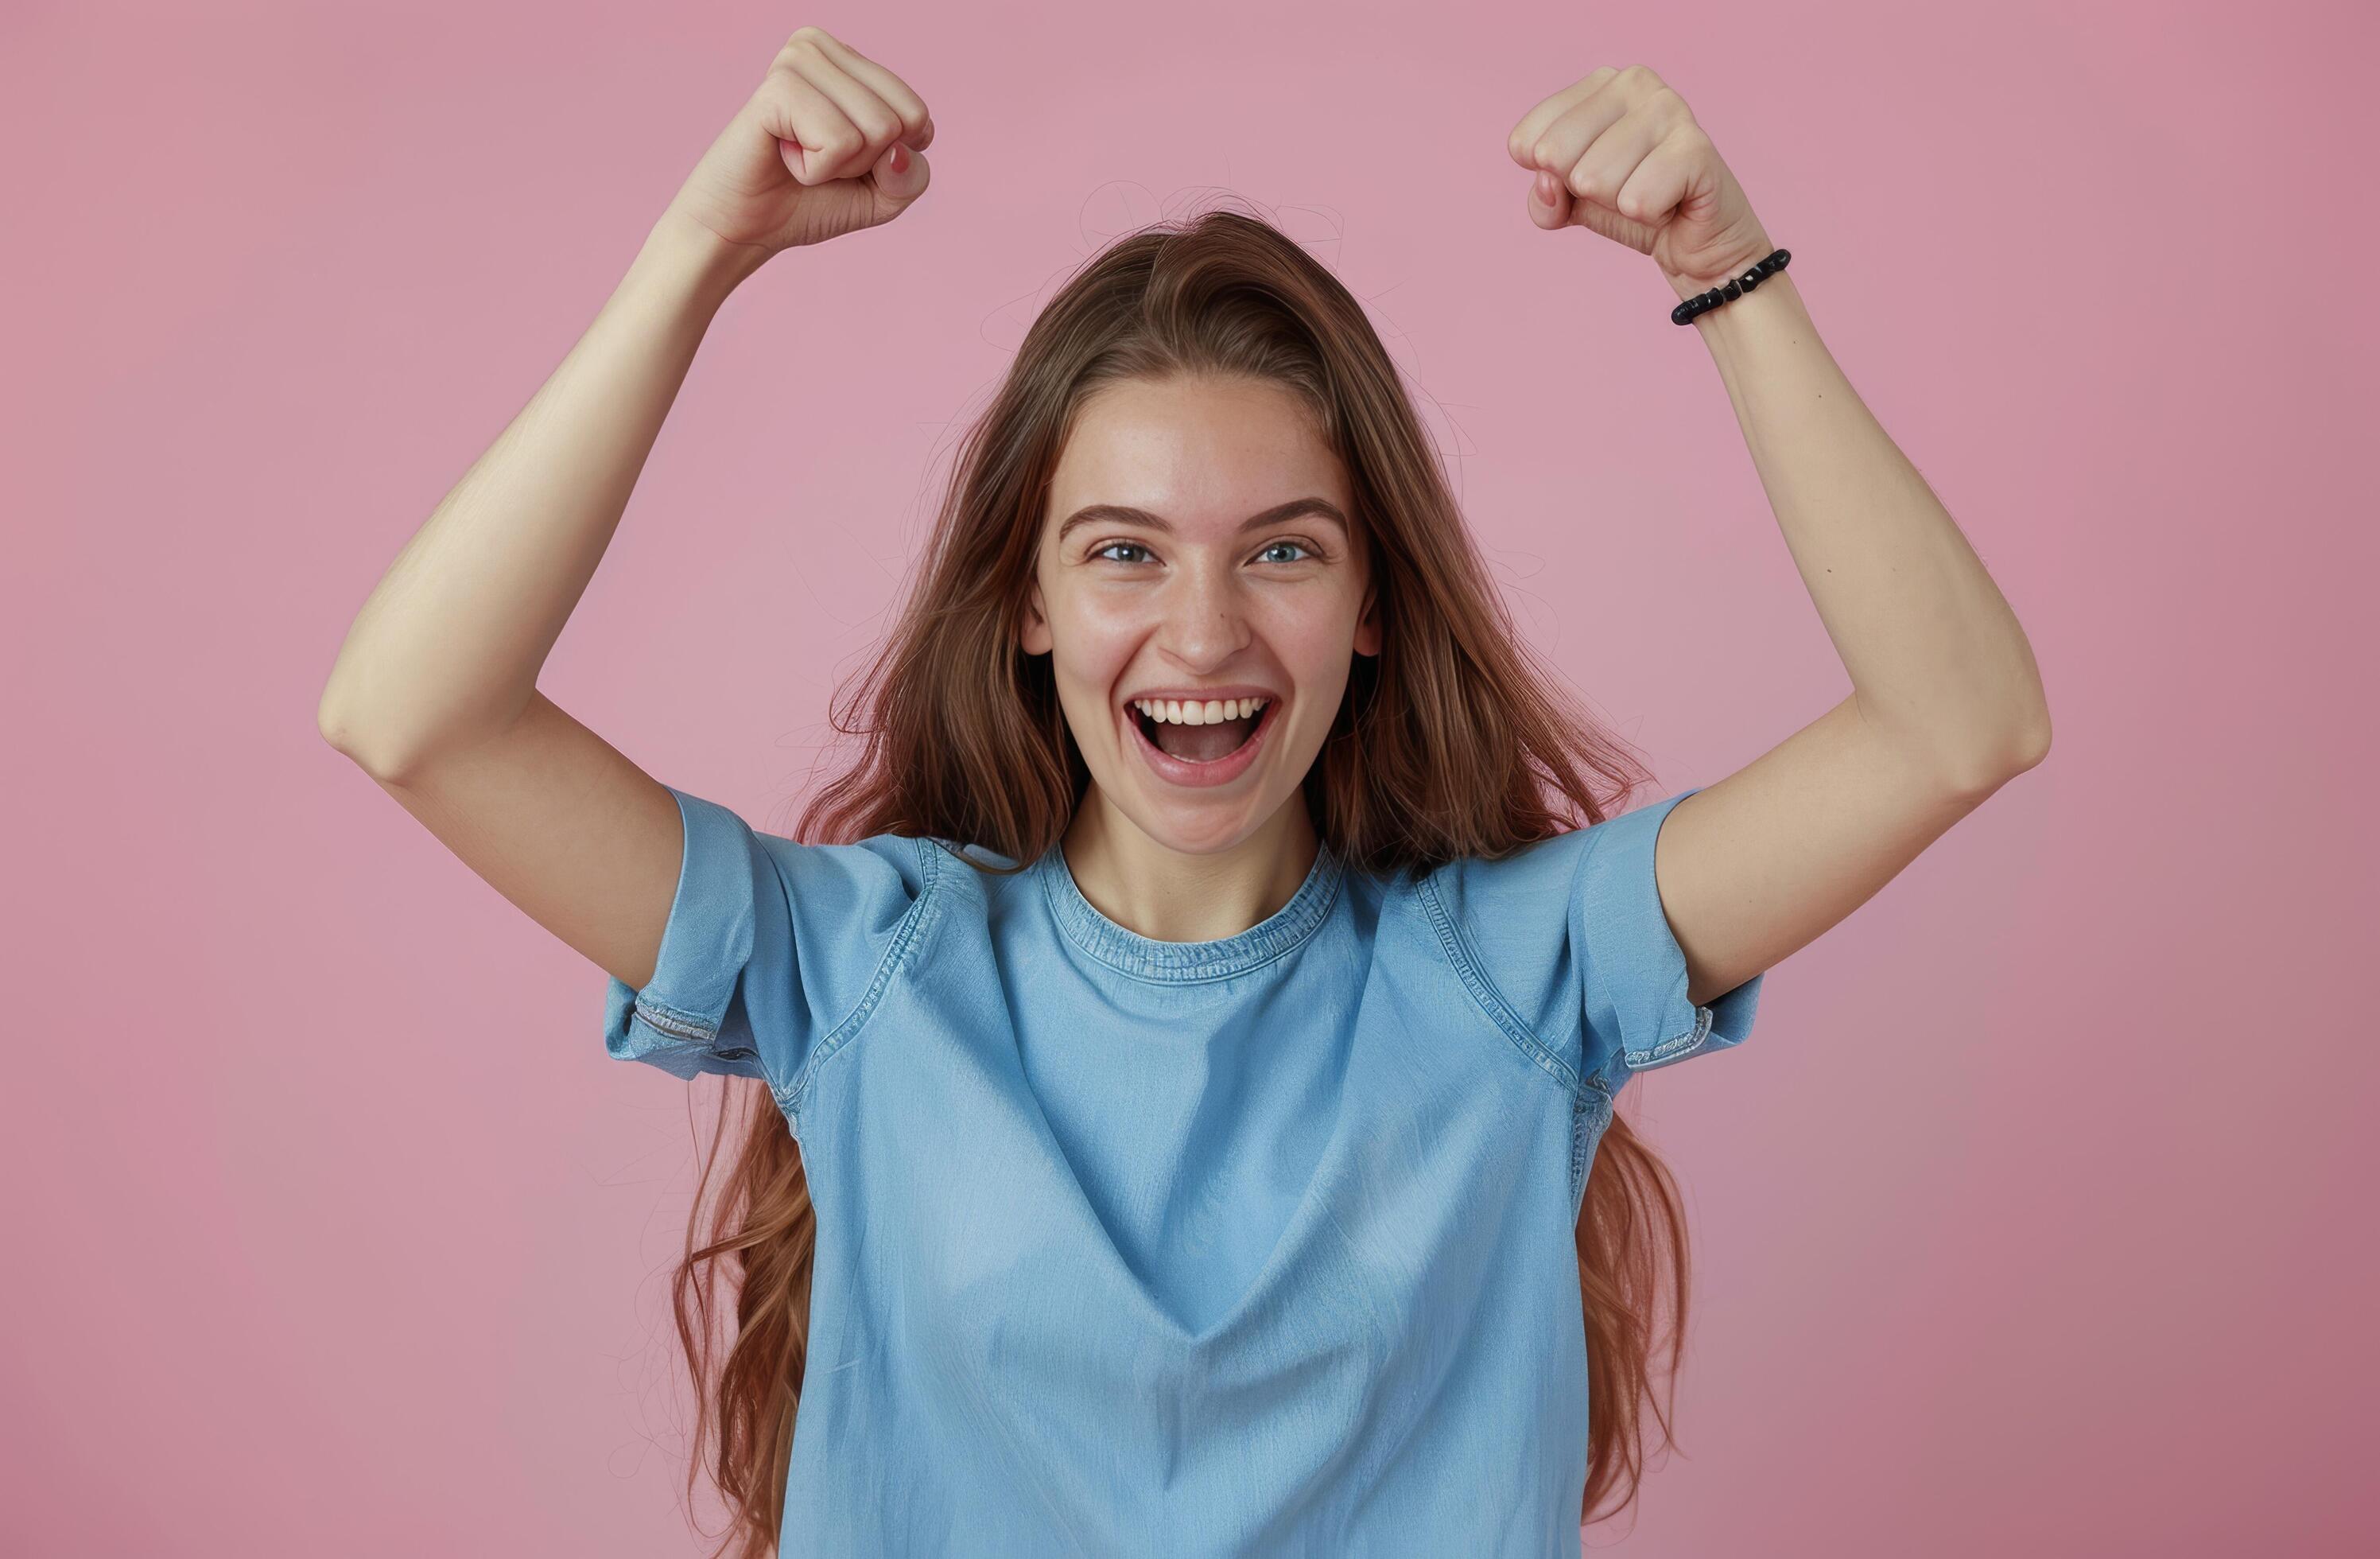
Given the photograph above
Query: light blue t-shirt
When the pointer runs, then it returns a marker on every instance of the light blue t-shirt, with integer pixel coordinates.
(1263, 1245)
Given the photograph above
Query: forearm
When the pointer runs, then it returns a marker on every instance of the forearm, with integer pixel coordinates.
(448, 646)
(1933, 650)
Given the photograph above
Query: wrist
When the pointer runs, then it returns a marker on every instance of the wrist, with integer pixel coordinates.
(1750, 255)
(691, 255)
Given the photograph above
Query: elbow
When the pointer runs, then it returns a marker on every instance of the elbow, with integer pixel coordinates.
(2029, 742)
(352, 745)
(355, 742)
(336, 726)
(333, 725)
(2021, 747)
(2036, 744)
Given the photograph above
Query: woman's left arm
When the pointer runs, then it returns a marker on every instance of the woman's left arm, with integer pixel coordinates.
(1934, 653)
(1947, 703)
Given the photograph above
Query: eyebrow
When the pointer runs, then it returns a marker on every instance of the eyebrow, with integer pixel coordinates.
(1119, 514)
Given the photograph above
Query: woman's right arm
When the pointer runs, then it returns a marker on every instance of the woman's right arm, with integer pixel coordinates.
(435, 691)
(446, 651)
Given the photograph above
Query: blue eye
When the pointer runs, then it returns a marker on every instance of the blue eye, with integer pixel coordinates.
(1102, 552)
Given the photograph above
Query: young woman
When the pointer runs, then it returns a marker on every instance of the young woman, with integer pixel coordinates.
(1189, 1033)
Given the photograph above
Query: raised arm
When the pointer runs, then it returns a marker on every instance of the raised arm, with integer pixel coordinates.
(447, 649)
(434, 692)
(1947, 703)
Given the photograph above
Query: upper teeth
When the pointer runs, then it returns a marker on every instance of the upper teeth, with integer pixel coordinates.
(1191, 712)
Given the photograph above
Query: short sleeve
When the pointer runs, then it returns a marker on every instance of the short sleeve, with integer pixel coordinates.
(1637, 1016)
(1566, 944)
(772, 947)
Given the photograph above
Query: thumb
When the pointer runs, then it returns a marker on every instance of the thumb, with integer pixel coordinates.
(1549, 210)
(898, 179)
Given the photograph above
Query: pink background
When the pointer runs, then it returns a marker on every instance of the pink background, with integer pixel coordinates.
(2038, 1218)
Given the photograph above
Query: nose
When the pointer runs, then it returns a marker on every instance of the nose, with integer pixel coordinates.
(1205, 624)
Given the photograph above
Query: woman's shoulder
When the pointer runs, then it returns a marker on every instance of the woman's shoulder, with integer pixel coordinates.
(1562, 865)
(981, 857)
(898, 865)
(1534, 873)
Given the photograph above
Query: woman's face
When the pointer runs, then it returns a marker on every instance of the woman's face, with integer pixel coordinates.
(1228, 584)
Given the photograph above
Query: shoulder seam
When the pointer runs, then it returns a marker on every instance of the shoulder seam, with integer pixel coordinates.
(1594, 1078)
(906, 935)
(1491, 1001)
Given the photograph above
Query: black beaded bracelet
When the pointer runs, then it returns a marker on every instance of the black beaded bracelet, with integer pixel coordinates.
(1703, 303)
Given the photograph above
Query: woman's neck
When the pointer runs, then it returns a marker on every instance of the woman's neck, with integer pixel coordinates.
(1151, 887)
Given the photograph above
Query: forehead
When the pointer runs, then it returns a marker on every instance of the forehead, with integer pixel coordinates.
(1203, 454)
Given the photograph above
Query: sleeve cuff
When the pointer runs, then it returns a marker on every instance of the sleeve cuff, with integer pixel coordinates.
(688, 1019)
(1636, 976)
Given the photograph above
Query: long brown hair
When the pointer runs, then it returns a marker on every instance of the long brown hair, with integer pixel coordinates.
(1451, 742)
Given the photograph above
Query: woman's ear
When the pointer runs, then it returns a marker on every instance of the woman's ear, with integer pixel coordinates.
(1368, 627)
(1033, 633)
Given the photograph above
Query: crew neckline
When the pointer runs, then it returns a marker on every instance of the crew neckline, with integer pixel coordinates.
(1147, 957)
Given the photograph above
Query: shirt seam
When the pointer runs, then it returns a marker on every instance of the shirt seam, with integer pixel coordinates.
(1469, 968)
(1103, 945)
(1592, 1103)
(1676, 1047)
(1590, 1117)
(675, 1031)
(1223, 971)
(905, 936)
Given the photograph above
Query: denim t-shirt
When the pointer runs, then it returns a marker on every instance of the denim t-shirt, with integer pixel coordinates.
(1263, 1245)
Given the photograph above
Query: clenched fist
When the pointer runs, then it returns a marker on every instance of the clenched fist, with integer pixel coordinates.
(830, 144)
(1619, 153)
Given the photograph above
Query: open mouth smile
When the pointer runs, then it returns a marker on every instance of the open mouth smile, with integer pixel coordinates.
(1204, 759)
